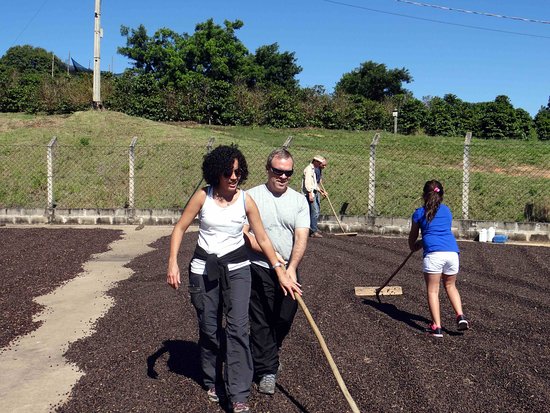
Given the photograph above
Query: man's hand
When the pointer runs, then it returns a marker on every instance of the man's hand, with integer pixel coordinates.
(291, 272)
(288, 284)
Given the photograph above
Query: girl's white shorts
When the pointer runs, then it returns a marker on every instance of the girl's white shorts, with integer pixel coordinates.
(441, 262)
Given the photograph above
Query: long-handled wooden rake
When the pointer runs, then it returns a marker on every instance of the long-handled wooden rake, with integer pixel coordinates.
(331, 362)
(383, 290)
(349, 234)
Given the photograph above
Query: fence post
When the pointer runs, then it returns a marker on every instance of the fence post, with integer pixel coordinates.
(49, 157)
(286, 145)
(372, 175)
(466, 176)
(209, 145)
(131, 183)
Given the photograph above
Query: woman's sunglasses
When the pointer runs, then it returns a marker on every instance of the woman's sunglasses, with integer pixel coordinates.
(237, 172)
(280, 172)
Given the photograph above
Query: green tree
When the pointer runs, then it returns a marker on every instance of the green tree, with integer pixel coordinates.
(315, 105)
(462, 114)
(411, 116)
(139, 96)
(438, 120)
(19, 92)
(215, 51)
(500, 120)
(137, 47)
(205, 65)
(245, 106)
(374, 81)
(270, 67)
(29, 59)
(281, 109)
(212, 51)
(542, 123)
(525, 127)
(355, 112)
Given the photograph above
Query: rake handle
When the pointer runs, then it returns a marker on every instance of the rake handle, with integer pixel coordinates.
(331, 207)
(394, 273)
(331, 362)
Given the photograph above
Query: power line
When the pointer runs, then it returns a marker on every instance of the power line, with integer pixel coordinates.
(29, 23)
(481, 13)
(436, 21)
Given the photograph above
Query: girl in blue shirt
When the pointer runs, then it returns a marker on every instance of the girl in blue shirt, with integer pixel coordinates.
(441, 251)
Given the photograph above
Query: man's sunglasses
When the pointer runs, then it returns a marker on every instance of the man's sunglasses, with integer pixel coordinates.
(280, 172)
(228, 174)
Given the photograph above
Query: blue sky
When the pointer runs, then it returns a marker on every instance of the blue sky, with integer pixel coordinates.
(474, 56)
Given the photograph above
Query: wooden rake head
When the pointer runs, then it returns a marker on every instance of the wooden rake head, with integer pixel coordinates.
(383, 290)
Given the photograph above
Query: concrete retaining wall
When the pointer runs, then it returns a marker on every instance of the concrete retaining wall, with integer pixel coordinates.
(463, 229)
(534, 232)
(89, 216)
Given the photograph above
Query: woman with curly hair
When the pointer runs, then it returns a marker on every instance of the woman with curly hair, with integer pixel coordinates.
(441, 251)
(219, 273)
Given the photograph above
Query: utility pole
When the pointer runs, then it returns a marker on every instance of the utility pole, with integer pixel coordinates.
(98, 34)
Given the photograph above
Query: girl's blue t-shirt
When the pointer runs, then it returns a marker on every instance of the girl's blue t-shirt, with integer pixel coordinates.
(437, 234)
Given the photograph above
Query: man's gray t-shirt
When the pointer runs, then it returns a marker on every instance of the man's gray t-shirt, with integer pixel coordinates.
(280, 216)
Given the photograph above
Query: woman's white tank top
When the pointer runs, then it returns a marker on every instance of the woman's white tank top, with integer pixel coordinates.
(220, 230)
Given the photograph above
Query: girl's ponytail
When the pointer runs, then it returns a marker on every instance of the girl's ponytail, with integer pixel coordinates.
(433, 196)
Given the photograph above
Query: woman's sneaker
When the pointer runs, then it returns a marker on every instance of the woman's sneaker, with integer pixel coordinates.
(212, 395)
(267, 384)
(241, 407)
(434, 331)
(462, 323)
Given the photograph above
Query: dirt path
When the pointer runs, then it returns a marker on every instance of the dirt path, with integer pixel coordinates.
(34, 375)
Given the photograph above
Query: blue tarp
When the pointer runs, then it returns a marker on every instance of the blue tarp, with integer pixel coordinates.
(77, 67)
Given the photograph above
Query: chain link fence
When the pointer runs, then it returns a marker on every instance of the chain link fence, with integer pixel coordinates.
(371, 175)
(23, 176)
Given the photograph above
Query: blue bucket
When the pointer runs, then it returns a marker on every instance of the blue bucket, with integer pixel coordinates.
(500, 238)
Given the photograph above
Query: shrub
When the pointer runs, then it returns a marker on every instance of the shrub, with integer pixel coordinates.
(281, 109)
(542, 124)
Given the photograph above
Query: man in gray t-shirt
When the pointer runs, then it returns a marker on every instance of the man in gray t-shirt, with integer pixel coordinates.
(285, 216)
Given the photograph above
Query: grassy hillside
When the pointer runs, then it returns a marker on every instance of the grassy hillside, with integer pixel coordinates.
(91, 165)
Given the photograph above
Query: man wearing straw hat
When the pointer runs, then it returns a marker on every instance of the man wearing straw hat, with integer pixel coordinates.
(285, 216)
(312, 191)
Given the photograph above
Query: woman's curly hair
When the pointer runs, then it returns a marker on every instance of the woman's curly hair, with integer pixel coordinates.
(220, 161)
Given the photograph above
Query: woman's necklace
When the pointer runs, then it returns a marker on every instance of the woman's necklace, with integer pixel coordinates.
(222, 200)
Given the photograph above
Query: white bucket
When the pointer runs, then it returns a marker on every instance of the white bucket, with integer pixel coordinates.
(483, 235)
(490, 234)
